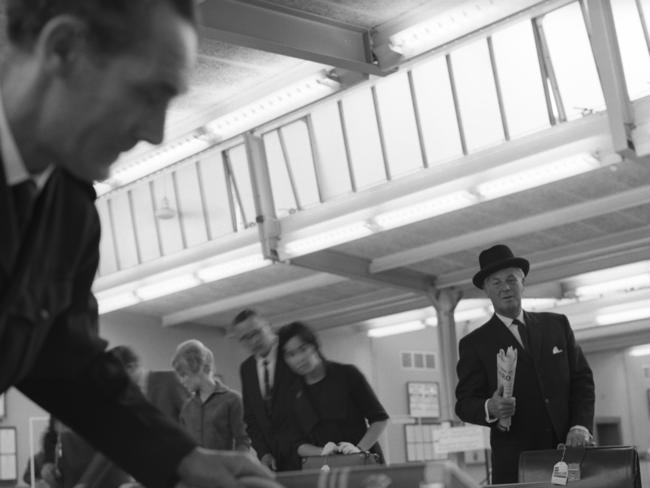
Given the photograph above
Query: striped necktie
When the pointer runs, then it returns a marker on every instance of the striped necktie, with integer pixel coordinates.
(523, 333)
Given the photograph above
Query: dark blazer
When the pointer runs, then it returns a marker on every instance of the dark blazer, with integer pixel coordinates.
(270, 434)
(553, 387)
(49, 345)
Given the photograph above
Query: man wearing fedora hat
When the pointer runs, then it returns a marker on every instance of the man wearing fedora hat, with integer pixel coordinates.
(553, 396)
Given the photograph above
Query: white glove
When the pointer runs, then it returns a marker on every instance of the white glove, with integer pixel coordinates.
(329, 448)
(348, 448)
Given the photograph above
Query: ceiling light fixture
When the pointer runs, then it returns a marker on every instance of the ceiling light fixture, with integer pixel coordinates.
(324, 240)
(538, 176)
(643, 350)
(425, 210)
(232, 268)
(278, 103)
(396, 329)
(620, 314)
(107, 302)
(622, 284)
(167, 287)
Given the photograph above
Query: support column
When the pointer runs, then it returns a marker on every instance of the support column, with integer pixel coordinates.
(445, 301)
(267, 222)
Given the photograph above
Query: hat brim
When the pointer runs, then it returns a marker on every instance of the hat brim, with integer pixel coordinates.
(520, 263)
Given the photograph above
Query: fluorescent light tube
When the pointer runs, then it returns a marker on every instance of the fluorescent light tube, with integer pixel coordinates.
(167, 287)
(470, 314)
(109, 303)
(164, 156)
(538, 176)
(327, 239)
(622, 284)
(232, 268)
(643, 350)
(623, 316)
(396, 329)
(274, 105)
(425, 210)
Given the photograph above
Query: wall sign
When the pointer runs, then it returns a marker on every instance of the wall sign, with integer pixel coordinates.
(424, 399)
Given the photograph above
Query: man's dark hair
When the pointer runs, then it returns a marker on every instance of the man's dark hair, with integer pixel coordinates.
(244, 315)
(300, 330)
(112, 25)
(126, 356)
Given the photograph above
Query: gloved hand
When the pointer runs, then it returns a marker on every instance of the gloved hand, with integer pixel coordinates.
(329, 448)
(348, 448)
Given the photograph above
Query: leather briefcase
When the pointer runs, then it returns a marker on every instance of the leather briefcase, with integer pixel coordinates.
(339, 460)
(600, 467)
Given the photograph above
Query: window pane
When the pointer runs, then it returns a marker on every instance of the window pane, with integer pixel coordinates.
(398, 124)
(520, 79)
(633, 49)
(477, 95)
(170, 230)
(363, 138)
(283, 196)
(191, 205)
(437, 112)
(573, 61)
(215, 191)
(296, 139)
(334, 176)
(239, 166)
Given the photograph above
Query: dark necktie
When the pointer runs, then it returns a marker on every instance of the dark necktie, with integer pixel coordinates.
(522, 333)
(24, 195)
(267, 386)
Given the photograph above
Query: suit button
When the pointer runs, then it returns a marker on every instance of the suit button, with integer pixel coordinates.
(546, 400)
(45, 315)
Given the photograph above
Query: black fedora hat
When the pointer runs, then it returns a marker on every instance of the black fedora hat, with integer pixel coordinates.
(496, 258)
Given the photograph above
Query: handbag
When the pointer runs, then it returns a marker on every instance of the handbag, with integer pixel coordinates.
(340, 460)
(599, 467)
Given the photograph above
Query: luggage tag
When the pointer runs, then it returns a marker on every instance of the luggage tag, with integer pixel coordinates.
(560, 474)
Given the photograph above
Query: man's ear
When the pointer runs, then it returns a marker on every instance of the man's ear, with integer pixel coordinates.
(61, 43)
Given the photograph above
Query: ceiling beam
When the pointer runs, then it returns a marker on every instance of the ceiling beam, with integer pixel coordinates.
(347, 305)
(242, 300)
(499, 233)
(359, 269)
(289, 32)
(599, 248)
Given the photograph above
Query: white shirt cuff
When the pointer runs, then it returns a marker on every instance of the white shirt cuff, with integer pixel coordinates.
(488, 419)
(581, 428)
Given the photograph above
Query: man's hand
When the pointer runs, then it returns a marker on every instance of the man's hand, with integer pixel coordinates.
(578, 438)
(329, 448)
(348, 448)
(499, 407)
(269, 461)
(203, 468)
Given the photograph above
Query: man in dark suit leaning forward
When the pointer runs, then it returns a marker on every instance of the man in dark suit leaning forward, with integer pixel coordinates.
(553, 397)
(266, 382)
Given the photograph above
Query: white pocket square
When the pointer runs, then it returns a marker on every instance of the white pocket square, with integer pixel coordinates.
(557, 350)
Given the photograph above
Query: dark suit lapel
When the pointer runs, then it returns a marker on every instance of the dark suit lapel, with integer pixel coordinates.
(504, 336)
(9, 243)
(535, 336)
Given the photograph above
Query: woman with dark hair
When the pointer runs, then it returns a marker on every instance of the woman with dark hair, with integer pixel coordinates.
(335, 408)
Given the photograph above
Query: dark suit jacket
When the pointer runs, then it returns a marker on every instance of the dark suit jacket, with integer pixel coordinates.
(274, 434)
(49, 347)
(553, 386)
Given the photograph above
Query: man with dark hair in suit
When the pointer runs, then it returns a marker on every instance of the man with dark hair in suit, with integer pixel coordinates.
(266, 381)
(81, 82)
(553, 398)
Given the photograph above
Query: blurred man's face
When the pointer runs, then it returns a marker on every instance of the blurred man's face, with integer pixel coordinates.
(108, 103)
(505, 289)
(255, 334)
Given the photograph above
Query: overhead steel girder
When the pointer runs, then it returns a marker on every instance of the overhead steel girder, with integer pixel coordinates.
(280, 30)
(602, 33)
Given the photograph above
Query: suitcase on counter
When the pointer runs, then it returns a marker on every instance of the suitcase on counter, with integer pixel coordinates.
(600, 467)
